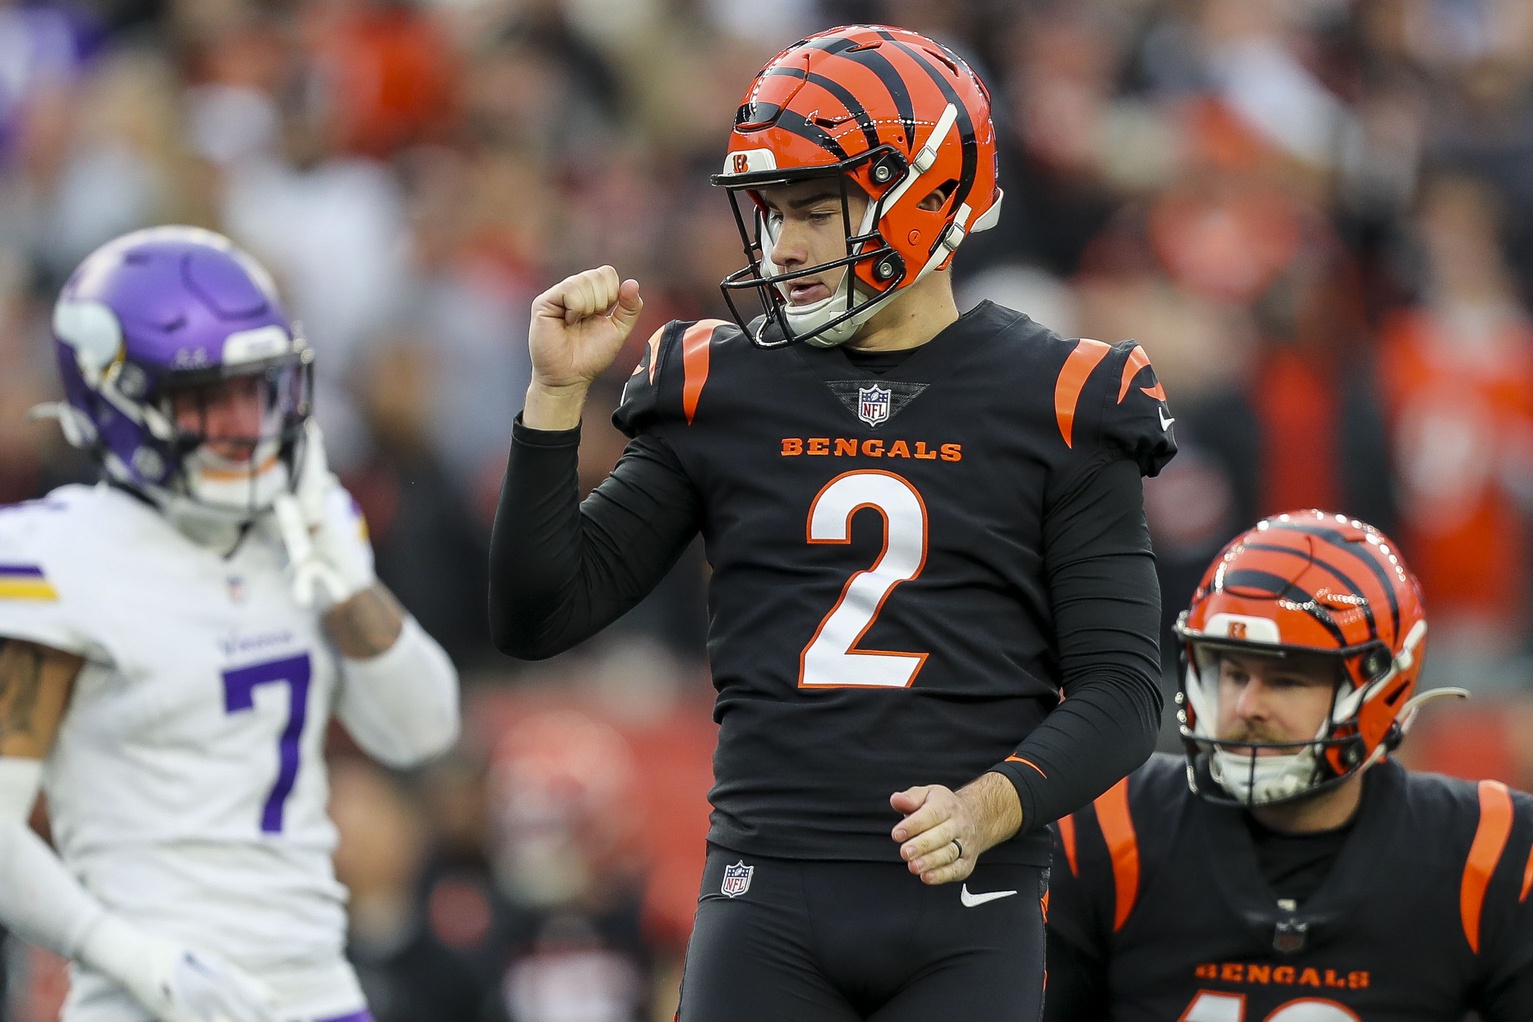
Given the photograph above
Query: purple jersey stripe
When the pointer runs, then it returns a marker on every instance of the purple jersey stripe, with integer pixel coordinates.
(357, 1016)
(20, 571)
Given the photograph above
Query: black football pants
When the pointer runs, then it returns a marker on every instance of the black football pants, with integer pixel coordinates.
(815, 941)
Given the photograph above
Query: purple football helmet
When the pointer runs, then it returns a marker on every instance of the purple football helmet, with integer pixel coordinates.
(171, 311)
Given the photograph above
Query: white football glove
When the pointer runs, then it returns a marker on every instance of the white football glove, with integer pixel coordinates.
(174, 983)
(323, 530)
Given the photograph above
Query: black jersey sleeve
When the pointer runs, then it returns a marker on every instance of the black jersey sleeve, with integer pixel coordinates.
(1106, 603)
(562, 569)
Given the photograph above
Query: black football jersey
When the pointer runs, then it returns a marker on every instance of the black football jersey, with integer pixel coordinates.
(1423, 916)
(879, 612)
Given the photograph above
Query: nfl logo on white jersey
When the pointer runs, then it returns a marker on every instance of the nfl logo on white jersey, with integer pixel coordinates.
(873, 404)
(737, 879)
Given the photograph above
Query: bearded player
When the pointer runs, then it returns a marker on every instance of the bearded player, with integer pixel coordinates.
(1288, 870)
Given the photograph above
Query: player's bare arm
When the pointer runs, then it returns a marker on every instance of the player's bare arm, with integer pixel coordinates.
(944, 832)
(578, 327)
(35, 682)
(367, 624)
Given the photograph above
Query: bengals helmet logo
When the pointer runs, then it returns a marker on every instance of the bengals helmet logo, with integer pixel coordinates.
(1237, 629)
(742, 163)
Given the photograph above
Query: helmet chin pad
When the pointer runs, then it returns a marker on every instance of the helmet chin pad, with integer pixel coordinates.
(239, 488)
(1255, 780)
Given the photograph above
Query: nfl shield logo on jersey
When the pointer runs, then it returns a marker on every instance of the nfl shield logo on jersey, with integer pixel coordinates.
(873, 404)
(737, 879)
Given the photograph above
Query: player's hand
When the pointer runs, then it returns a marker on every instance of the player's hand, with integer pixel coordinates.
(174, 983)
(578, 326)
(323, 530)
(205, 988)
(945, 831)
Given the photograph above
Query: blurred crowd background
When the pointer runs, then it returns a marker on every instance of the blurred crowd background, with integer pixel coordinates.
(1316, 216)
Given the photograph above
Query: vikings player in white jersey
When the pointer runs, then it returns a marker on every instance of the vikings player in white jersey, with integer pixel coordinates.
(173, 642)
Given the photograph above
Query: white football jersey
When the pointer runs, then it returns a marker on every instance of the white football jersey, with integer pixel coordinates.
(187, 787)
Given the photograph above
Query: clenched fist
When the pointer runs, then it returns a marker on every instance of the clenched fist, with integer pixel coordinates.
(578, 326)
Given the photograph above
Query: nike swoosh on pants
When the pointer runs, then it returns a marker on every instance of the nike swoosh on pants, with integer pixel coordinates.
(971, 900)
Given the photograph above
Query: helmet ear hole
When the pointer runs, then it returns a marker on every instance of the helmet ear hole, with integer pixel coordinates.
(938, 196)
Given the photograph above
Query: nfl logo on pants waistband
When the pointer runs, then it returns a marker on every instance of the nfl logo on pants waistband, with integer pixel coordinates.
(737, 878)
(873, 404)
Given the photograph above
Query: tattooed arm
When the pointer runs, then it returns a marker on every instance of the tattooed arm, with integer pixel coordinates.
(399, 698)
(39, 900)
(35, 683)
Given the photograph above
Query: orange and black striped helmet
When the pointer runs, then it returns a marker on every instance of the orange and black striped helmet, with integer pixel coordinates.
(887, 110)
(1304, 582)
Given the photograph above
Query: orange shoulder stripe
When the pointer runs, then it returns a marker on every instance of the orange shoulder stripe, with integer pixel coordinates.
(654, 355)
(1138, 359)
(1484, 852)
(694, 363)
(1123, 845)
(1527, 877)
(1087, 355)
(1066, 826)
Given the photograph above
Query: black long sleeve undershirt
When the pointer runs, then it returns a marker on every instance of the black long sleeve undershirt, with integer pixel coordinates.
(1106, 602)
(562, 569)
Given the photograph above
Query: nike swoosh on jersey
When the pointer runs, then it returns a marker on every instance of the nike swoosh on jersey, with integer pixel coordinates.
(1165, 420)
(970, 900)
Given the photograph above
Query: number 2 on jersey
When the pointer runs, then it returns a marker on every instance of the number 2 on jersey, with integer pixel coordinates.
(832, 658)
(239, 696)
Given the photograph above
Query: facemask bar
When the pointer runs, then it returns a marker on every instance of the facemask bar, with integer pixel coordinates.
(1198, 705)
(286, 394)
(757, 238)
(887, 165)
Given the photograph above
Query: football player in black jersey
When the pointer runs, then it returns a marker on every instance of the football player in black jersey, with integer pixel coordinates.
(1288, 870)
(923, 528)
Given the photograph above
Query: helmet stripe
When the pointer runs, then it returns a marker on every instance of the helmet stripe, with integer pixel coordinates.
(1281, 588)
(1342, 577)
(844, 94)
(1341, 542)
(890, 76)
(968, 144)
(795, 124)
